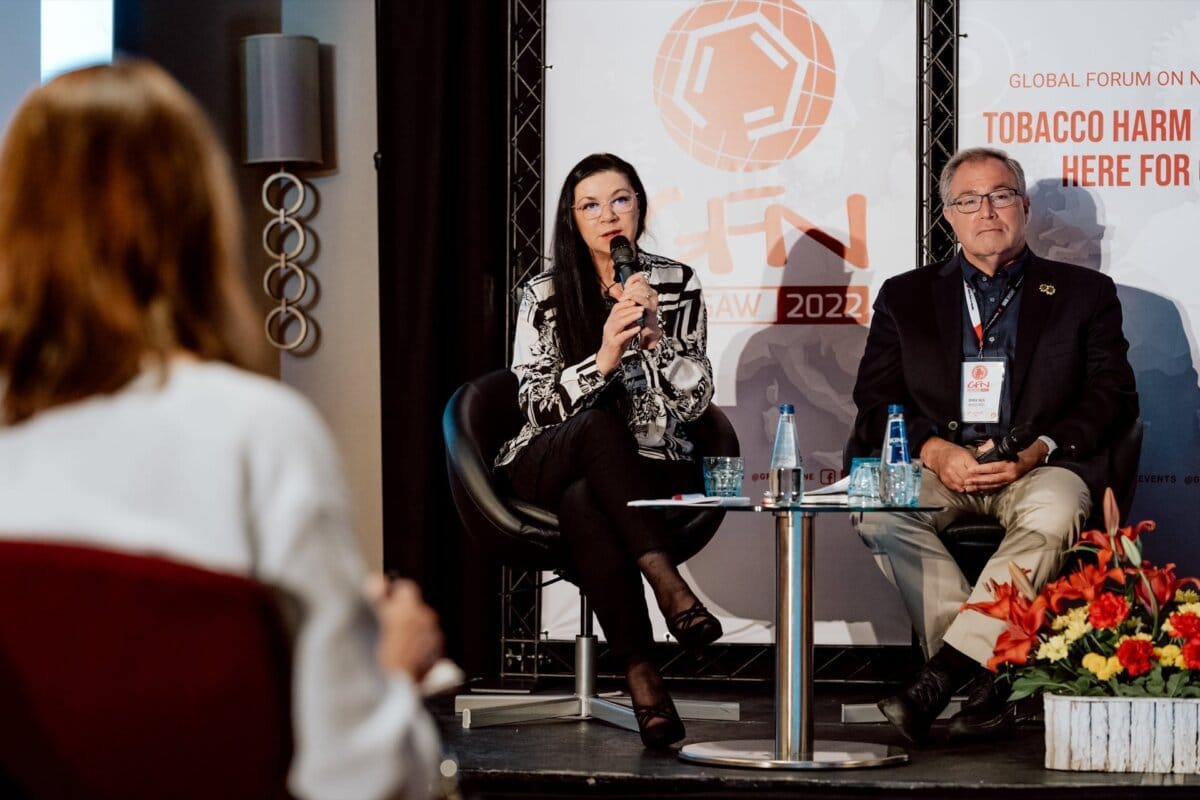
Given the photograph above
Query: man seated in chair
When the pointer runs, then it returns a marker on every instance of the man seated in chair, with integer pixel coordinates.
(993, 338)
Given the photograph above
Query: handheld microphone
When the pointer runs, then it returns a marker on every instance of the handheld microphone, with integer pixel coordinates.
(624, 261)
(624, 264)
(1009, 445)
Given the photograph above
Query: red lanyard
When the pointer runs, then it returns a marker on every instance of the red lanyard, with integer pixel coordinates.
(973, 309)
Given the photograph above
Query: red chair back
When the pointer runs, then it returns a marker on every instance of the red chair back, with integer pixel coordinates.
(126, 676)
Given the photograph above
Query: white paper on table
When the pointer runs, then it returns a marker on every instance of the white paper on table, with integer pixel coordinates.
(838, 487)
(692, 500)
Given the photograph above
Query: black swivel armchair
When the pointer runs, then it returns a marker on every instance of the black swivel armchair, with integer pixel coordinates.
(482, 415)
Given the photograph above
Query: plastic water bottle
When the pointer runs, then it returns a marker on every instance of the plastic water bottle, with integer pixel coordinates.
(895, 467)
(786, 476)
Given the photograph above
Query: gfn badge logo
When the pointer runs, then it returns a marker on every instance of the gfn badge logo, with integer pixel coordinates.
(743, 85)
(979, 381)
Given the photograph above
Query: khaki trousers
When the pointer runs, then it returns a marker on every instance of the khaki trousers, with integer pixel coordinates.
(1042, 514)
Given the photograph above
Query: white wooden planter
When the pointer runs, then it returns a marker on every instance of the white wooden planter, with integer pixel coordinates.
(1122, 734)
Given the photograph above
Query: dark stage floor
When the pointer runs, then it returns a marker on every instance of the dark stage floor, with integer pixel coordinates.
(570, 758)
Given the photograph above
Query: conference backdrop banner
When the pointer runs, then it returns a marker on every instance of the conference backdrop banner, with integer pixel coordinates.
(1098, 101)
(776, 140)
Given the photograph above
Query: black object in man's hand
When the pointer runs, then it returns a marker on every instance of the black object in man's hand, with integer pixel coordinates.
(1009, 445)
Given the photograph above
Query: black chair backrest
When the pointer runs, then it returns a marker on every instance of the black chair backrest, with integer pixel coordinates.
(480, 417)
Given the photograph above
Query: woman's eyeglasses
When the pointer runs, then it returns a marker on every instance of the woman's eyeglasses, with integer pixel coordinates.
(621, 204)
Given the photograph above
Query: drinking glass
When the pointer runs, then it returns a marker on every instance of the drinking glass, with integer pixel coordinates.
(864, 482)
(723, 476)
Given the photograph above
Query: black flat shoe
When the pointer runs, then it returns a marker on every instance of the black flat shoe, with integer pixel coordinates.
(658, 735)
(695, 627)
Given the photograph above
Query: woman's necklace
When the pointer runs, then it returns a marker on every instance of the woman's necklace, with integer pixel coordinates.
(605, 289)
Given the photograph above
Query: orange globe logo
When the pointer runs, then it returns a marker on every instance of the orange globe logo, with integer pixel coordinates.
(742, 85)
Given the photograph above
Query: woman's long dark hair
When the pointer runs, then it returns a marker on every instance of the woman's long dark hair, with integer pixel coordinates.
(580, 308)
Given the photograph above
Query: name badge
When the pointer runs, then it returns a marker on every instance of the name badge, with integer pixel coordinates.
(982, 384)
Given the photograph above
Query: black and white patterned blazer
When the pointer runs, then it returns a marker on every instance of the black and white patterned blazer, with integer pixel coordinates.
(668, 386)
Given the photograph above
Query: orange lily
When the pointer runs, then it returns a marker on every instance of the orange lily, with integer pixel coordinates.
(1111, 536)
(1024, 618)
(1158, 585)
(1103, 543)
(1084, 583)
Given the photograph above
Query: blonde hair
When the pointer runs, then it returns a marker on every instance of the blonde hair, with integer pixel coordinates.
(119, 237)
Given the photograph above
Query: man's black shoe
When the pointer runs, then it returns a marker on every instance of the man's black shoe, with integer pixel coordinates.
(914, 709)
(984, 714)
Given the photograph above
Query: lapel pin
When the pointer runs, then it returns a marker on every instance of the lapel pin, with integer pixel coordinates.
(1046, 288)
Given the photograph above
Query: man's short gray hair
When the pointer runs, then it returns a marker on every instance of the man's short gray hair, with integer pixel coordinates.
(978, 154)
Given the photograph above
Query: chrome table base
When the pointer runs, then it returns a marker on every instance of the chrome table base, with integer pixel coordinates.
(794, 746)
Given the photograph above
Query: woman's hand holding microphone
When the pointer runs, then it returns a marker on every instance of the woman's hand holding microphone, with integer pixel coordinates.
(636, 312)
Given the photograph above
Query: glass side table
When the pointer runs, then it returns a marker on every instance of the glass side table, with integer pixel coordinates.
(794, 746)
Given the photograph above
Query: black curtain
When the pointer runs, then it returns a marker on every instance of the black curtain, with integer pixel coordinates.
(442, 84)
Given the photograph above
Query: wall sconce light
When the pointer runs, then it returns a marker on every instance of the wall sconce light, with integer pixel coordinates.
(282, 106)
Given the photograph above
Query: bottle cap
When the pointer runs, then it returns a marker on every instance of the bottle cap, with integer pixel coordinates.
(787, 408)
(895, 408)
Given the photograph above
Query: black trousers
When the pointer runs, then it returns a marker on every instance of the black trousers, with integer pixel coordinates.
(586, 470)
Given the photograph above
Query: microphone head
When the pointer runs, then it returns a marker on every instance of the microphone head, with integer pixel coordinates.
(1015, 441)
(1009, 445)
(623, 258)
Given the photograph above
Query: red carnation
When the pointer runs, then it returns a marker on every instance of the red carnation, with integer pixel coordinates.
(1108, 611)
(1191, 654)
(1186, 626)
(1135, 655)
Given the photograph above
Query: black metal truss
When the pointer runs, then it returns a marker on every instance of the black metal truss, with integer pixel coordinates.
(937, 121)
(526, 149)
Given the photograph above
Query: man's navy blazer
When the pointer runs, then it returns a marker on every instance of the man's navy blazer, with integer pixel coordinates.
(1070, 377)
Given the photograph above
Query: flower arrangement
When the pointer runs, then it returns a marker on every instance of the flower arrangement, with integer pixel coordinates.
(1114, 626)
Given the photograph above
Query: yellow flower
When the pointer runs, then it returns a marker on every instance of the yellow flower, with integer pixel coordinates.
(1169, 656)
(1074, 622)
(1076, 629)
(1111, 667)
(1187, 596)
(1076, 614)
(1053, 649)
(1103, 668)
(1188, 608)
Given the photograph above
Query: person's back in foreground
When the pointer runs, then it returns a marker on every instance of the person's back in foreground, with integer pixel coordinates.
(124, 422)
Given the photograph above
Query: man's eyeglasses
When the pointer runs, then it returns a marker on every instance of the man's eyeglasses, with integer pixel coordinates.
(621, 204)
(970, 203)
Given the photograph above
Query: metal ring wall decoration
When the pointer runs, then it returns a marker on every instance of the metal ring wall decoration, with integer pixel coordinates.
(279, 275)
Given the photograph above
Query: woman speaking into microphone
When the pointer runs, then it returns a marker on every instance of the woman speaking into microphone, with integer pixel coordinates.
(610, 370)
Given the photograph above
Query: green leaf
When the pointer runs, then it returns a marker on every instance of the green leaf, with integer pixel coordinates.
(1154, 682)
(1022, 693)
(1132, 551)
(1128, 689)
(1175, 684)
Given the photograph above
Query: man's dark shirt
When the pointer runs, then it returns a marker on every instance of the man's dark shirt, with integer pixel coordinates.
(999, 342)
